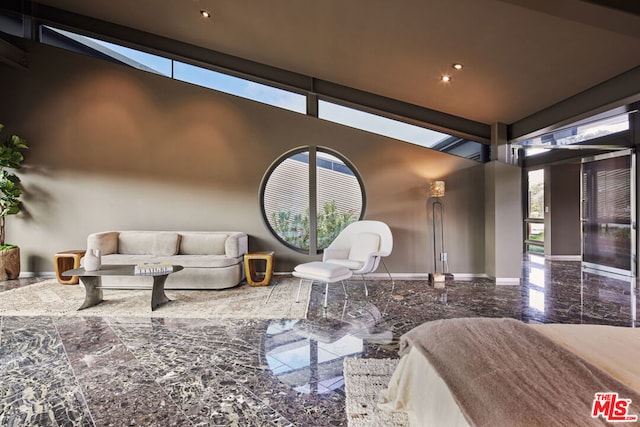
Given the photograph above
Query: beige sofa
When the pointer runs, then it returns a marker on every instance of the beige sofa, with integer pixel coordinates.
(211, 259)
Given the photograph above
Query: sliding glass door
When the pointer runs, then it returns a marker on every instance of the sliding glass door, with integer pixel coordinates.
(608, 205)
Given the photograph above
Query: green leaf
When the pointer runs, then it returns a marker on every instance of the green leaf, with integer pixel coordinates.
(13, 210)
(19, 142)
(11, 158)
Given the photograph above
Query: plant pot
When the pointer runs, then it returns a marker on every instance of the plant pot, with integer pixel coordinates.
(9, 264)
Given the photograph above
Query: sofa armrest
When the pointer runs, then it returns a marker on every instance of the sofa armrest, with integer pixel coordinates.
(106, 242)
(236, 245)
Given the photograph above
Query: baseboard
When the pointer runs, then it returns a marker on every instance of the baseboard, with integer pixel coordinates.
(412, 276)
(401, 276)
(609, 274)
(375, 276)
(470, 276)
(29, 274)
(500, 281)
(563, 257)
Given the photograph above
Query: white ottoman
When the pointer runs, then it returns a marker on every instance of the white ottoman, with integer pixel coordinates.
(322, 272)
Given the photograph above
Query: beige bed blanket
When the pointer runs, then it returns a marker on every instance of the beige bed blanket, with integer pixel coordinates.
(614, 349)
(502, 372)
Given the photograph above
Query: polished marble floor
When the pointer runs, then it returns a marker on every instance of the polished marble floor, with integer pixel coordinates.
(174, 372)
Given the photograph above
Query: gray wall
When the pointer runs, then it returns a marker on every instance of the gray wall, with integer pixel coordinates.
(503, 222)
(116, 148)
(562, 222)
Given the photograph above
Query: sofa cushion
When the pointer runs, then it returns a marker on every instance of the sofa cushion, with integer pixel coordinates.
(202, 243)
(200, 261)
(166, 243)
(122, 259)
(136, 242)
(187, 261)
(106, 241)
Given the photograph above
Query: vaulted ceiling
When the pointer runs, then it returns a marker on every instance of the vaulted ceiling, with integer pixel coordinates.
(519, 56)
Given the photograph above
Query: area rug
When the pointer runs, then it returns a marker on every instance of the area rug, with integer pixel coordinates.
(49, 298)
(363, 381)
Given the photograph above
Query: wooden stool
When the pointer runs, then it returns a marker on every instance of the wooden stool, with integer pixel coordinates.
(250, 267)
(67, 260)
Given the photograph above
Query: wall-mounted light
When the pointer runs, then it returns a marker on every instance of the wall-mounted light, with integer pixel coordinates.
(205, 14)
(445, 78)
(457, 66)
(436, 189)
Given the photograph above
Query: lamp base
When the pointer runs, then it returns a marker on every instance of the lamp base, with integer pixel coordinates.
(438, 279)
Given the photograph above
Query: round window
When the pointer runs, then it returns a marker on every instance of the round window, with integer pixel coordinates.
(292, 189)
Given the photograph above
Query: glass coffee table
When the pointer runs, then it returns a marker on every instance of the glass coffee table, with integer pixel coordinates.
(92, 281)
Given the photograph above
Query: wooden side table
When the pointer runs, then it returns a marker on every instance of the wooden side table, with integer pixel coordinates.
(250, 261)
(67, 260)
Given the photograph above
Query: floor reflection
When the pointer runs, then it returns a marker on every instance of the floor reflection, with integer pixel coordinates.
(308, 354)
(567, 292)
(307, 365)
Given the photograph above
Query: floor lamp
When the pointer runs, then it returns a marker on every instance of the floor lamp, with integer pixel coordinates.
(437, 189)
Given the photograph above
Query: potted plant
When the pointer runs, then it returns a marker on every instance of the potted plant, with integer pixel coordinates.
(11, 159)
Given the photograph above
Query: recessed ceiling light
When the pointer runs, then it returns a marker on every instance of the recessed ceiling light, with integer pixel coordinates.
(445, 78)
(457, 66)
(205, 14)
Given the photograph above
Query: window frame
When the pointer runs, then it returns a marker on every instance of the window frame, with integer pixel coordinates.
(312, 202)
(530, 244)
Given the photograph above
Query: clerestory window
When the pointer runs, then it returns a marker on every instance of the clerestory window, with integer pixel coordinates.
(256, 89)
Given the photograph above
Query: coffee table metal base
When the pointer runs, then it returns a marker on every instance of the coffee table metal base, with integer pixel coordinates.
(92, 281)
(93, 291)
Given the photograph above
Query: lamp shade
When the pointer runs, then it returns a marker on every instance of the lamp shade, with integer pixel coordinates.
(437, 189)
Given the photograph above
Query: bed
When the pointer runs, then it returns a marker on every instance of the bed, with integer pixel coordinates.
(502, 372)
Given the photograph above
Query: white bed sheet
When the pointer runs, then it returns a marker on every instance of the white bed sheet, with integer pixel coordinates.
(416, 388)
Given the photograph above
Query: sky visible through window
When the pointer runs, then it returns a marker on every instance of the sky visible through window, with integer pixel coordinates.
(240, 87)
(156, 63)
(378, 124)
